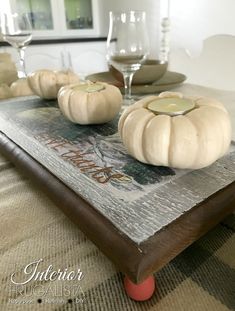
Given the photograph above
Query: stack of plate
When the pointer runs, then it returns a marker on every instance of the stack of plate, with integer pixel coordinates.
(167, 82)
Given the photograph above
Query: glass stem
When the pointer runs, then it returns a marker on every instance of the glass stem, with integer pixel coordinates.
(21, 52)
(127, 77)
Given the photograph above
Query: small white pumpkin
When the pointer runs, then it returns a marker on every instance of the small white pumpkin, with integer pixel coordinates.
(21, 88)
(46, 83)
(8, 71)
(90, 103)
(5, 91)
(175, 131)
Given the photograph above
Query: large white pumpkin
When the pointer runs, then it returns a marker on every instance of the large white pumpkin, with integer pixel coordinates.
(192, 140)
(90, 103)
(46, 83)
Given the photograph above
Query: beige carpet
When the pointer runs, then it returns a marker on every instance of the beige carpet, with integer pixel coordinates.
(32, 228)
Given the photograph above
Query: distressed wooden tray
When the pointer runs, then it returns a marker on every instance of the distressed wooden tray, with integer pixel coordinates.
(140, 217)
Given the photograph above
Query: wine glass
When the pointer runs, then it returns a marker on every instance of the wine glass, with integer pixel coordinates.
(127, 45)
(17, 31)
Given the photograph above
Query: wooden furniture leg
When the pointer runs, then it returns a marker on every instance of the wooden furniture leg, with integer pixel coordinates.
(142, 291)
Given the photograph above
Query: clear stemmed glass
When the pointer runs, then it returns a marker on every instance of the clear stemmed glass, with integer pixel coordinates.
(17, 31)
(127, 44)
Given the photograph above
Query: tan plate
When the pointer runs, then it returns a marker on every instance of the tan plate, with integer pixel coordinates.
(168, 81)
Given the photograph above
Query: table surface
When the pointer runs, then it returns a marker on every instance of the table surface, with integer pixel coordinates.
(149, 229)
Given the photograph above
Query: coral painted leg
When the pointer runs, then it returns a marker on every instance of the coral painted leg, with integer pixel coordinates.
(142, 291)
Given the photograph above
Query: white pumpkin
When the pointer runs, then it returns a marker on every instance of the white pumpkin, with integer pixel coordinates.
(90, 103)
(21, 88)
(46, 83)
(8, 71)
(193, 139)
(5, 91)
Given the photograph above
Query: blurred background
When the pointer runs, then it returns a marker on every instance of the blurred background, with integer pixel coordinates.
(72, 34)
